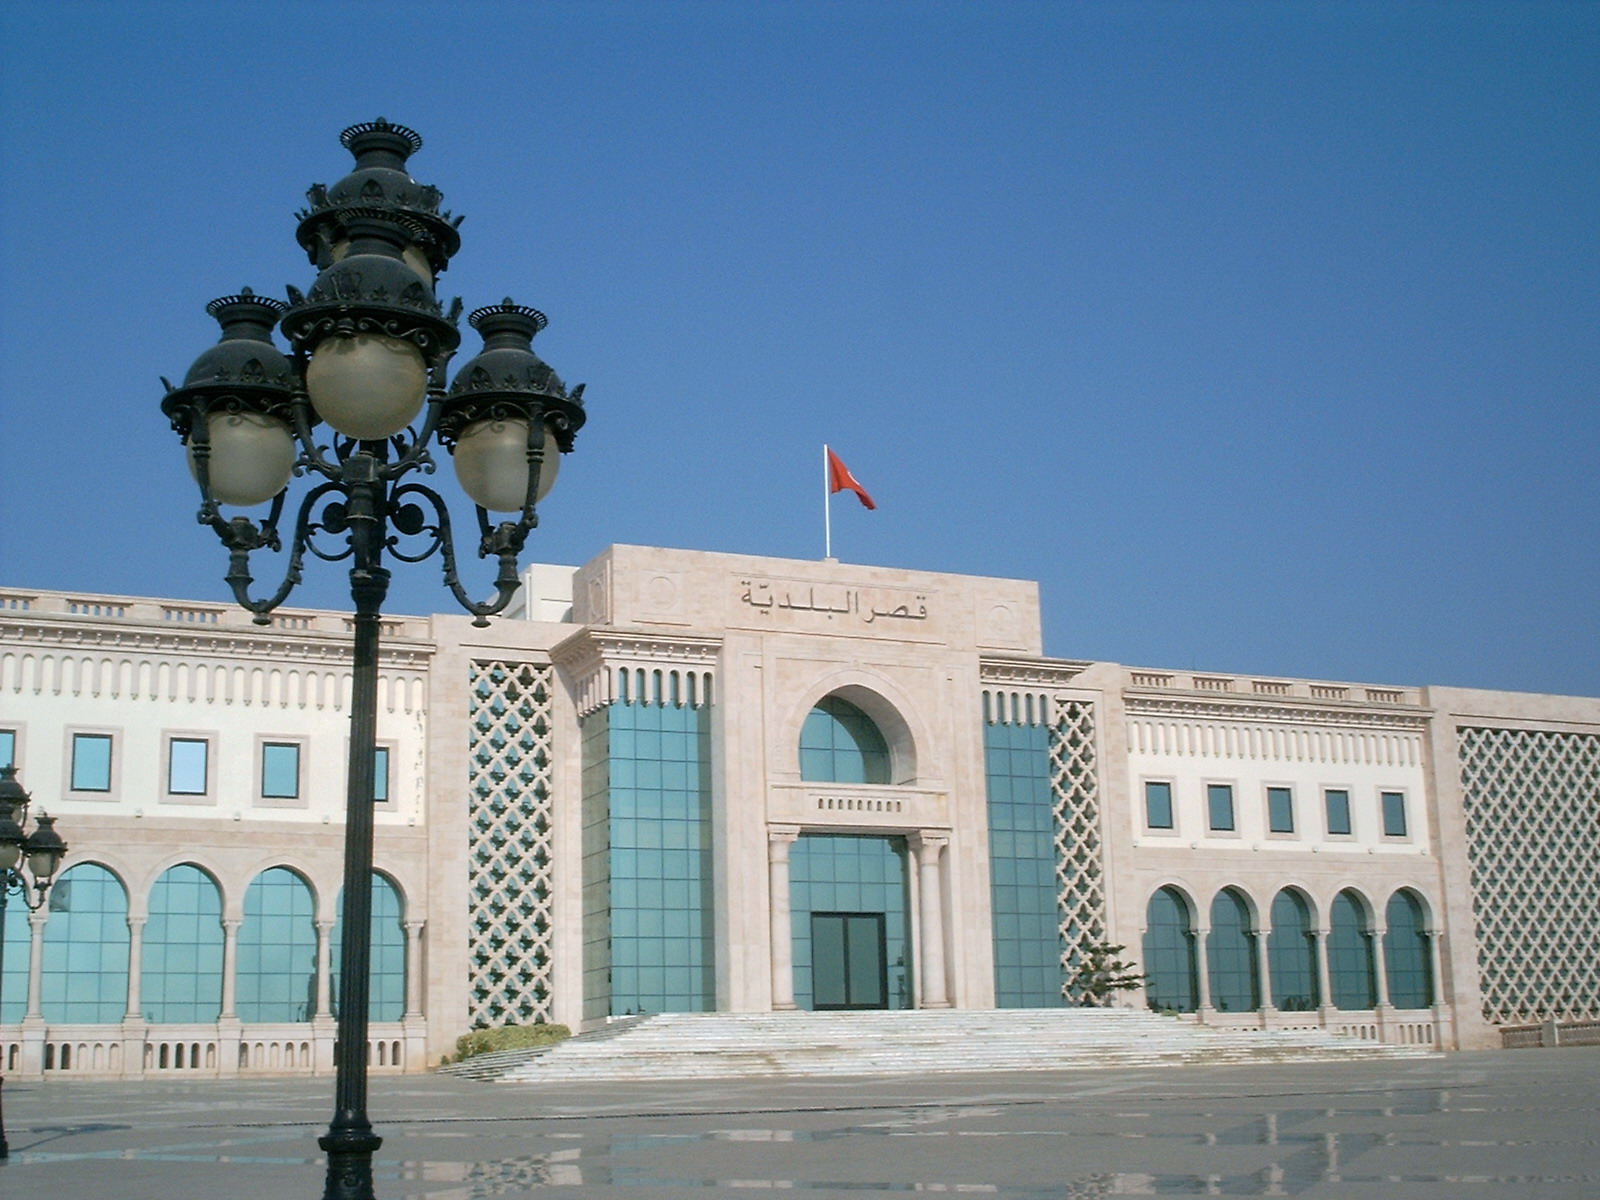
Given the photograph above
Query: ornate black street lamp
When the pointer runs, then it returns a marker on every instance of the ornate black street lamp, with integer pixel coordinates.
(369, 345)
(28, 864)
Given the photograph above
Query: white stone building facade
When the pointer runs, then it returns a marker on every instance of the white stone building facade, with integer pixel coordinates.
(691, 781)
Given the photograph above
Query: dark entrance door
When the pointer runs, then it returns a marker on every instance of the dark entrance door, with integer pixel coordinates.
(849, 962)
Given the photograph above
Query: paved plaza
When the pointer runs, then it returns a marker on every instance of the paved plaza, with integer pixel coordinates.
(1498, 1126)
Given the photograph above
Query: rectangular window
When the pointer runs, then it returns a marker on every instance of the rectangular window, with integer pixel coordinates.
(188, 766)
(1394, 814)
(1219, 802)
(91, 762)
(1280, 810)
(280, 770)
(1158, 805)
(8, 747)
(1337, 802)
(380, 775)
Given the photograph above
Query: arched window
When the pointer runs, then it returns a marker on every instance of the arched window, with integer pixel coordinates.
(840, 744)
(1405, 953)
(277, 969)
(387, 998)
(1231, 955)
(85, 974)
(181, 978)
(1169, 958)
(1350, 967)
(1292, 954)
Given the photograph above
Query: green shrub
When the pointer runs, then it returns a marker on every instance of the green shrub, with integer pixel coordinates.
(508, 1037)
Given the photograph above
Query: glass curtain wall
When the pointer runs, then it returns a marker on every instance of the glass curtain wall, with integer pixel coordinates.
(85, 973)
(1023, 889)
(1351, 974)
(1231, 955)
(387, 998)
(850, 876)
(277, 950)
(1292, 954)
(1406, 953)
(181, 960)
(648, 918)
(1169, 957)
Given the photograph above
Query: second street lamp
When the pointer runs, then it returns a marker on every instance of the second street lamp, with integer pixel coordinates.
(358, 405)
(28, 863)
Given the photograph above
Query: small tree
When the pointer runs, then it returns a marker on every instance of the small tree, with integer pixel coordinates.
(1101, 973)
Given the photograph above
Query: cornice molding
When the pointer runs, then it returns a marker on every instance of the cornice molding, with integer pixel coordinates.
(1002, 671)
(594, 659)
(1277, 712)
(278, 646)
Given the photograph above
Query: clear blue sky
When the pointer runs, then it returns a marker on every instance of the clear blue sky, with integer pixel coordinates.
(1265, 335)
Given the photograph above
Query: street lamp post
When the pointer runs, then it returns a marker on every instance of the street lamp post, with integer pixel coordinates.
(369, 345)
(28, 862)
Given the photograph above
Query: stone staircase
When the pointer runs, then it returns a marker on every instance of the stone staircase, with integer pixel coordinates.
(810, 1044)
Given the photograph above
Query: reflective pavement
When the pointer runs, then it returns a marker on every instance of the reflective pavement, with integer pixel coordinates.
(1520, 1124)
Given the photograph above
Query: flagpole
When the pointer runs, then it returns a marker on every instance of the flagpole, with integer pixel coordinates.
(827, 509)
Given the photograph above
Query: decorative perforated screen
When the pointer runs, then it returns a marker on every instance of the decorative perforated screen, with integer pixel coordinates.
(509, 838)
(1532, 801)
(1080, 868)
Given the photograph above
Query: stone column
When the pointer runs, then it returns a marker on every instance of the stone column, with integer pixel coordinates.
(33, 1026)
(1324, 979)
(134, 1030)
(324, 969)
(230, 1031)
(1264, 977)
(324, 1029)
(779, 839)
(1202, 935)
(413, 968)
(230, 969)
(1382, 1013)
(929, 847)
(135, 968)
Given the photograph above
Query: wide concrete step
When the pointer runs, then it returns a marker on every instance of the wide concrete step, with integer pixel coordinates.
(799, 1044)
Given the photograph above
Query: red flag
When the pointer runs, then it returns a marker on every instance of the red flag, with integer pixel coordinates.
(840, 480)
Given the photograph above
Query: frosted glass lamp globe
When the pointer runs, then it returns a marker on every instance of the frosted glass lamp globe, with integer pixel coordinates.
(369, 386)
(252, 456)
(491, 460)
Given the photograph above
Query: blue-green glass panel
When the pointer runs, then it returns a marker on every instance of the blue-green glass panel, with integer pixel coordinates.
(277, 956)
(1406, 955)
(8, 747)
(187, 766)
(1337, 803)
(647, 848)
(1351, 974)
(1169, 958)
(1394, 814)
(1023, 888)
(380, 774)
(840, 744)
(1158, 805)
(91, 762)
(1280, 810)
(280, 770)
(181, 978)
(14, 970)
(1231, 955)
(1292, 954)
(85, 971)
(386, 998)
(848, 874)
(1219, 803)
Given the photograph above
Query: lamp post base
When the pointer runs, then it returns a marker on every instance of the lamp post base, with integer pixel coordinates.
(350, 1154)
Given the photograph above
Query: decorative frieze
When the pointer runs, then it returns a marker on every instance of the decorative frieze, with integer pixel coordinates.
(607, 665)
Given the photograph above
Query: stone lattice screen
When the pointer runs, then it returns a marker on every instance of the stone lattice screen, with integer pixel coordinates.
(509, 839)
(1532, 801)
(1080, 870)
